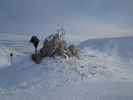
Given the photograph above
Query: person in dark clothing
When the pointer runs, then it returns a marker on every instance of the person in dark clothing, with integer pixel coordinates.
(35, 41)
(11, 57)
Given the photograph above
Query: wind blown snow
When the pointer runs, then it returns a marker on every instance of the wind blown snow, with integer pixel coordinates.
(97, 75)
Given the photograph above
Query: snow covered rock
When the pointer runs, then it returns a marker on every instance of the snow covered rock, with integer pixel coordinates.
(55, 45)
(96, 75)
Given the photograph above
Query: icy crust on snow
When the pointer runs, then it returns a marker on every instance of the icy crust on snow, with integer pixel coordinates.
(94, 76)
(92, 65)
(97, 75)
(121, 47)
(79, 91)
(98, 65)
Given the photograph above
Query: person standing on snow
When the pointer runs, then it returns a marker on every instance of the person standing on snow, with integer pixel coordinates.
(12, 52)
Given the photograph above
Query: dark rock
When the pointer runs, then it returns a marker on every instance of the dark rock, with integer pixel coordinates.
(55, 45)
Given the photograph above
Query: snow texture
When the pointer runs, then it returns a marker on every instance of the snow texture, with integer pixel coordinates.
(103, 72)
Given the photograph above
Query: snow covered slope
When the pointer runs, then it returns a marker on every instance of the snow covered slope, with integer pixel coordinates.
(87, 78)
(99, 74)
(121, 47)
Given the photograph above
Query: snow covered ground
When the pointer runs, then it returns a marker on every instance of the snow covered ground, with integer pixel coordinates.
(103, 72)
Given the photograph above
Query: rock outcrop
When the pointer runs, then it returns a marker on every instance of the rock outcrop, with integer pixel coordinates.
(55, 45)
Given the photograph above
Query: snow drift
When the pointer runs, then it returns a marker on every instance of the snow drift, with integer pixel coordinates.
(99, 74)
(121, 47)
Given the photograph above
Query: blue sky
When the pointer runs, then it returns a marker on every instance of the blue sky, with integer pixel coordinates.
(88, 18)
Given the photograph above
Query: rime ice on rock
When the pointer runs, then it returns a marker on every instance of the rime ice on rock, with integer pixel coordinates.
(55, 45)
